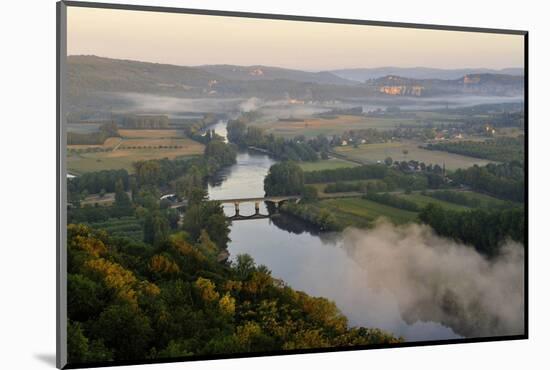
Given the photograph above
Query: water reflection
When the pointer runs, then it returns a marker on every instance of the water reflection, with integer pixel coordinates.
(306, 259)
(242, 180)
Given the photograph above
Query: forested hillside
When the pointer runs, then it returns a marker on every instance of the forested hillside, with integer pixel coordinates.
(129, 300)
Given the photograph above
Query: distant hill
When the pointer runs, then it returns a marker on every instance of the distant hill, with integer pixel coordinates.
(99, 84)
(88, 72)
(258, 72)
(363, 74)
(480, 83)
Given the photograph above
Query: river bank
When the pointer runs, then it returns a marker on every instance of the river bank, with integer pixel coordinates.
(303, 256)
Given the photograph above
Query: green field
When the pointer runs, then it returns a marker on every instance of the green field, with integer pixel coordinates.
(336, 125)
(312, 127)
(362, 212)
(132, 146)
(424, 200)
(129, 226)
(329, 164)
(124, 158)
(487, 201)
(371, 153)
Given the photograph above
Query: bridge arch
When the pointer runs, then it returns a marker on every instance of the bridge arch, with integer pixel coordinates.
(276, 200)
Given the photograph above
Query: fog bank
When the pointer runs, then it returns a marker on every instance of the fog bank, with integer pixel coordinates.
(435, 279)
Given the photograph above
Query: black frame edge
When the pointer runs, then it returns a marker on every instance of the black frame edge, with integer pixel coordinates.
(526, 180)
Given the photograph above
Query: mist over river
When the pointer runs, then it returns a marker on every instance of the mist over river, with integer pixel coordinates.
(316, 263)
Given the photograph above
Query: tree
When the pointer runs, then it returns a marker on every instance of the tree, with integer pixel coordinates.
(484, 230)
(388, 161)
(207, 290)
(192, 179)
(245, 266)
(125, 329)
(85, 297)
(156, 228)
(198, 307)
(222, 153)
(196, 195)
(227, 304)
(207, 246)
(148, 197)
(236, 131)
(326, 220)
(309, 193)
(284, 178)
(175, 349)
(77, 344)
(147, 172)
(81, 350)
(122, 199)
(254, 136)
(207, 216)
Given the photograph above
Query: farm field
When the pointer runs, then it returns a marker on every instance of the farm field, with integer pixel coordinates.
(442, 116)
(142, 138)
(371, 153)
(509, 132)
(321, 186)
(485, 201)
(123, 158)
(328, 164)
(83, 128)
(132, 146)
(149, 134)
(110, 143)
(95, 199)
(153, 142)
(311, 127)
(130, 227)
(359, 212)
(362, 212)
(423, 200)
(488, 201)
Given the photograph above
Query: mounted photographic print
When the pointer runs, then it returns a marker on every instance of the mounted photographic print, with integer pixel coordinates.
(238, 184)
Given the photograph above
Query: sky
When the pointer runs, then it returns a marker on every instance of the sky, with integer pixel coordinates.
(185, 39)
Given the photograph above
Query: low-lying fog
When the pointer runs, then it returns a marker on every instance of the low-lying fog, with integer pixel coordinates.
(435, 279)
(285, 108)
(458, 101)
(402, 279)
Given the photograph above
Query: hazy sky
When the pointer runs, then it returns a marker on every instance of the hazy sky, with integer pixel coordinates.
(184, 39)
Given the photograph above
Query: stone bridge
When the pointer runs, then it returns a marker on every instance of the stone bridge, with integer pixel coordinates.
(275, 200)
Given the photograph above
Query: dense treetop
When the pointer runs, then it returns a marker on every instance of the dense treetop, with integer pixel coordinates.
(133, 301)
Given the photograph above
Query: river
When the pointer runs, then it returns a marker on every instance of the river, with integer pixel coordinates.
(307, 260)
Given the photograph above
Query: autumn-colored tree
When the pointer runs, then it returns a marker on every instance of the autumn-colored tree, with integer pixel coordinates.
(163, 265)
(204, 308)
(207, 290)
(227, 304)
